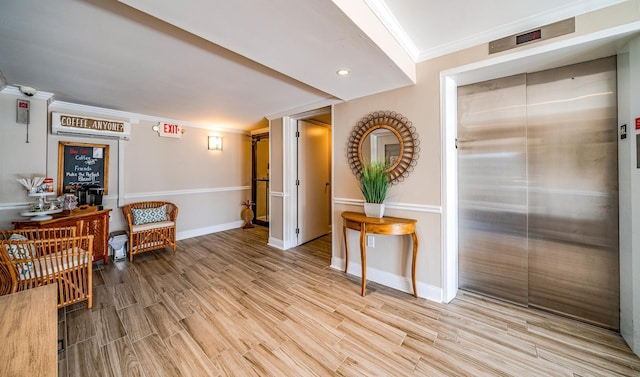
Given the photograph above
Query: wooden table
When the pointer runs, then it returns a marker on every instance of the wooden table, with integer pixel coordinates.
(29, 332)
(385, 226)
(97, 223)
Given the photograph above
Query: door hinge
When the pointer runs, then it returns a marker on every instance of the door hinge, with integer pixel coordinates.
(297, 230)
(456, 143)
(297, 133)
(297, 182)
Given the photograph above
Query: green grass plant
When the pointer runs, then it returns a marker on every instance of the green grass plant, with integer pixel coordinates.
(374, 182)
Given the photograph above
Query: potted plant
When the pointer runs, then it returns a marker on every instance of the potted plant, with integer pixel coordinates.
(375, 185)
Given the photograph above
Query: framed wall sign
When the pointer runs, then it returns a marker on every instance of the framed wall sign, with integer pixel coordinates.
(82, 164)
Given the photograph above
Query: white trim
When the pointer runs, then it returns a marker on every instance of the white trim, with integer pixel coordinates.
(10, 206)
(277, 243)
(208, 230)
(13, 90)
(401, 283)
(572, 9)
(279, 194)
(384, 14)
(290, 205)
(185, 192)
(121, 172)
(392, 205)
(133, 117)
(295, 112)
(461, 73)
(261, 131)
(476, 72)
(449, 188)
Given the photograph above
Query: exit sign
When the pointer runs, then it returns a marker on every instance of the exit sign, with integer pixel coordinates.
(169, 130)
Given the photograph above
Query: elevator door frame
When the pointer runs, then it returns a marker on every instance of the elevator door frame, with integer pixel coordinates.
(560, 165)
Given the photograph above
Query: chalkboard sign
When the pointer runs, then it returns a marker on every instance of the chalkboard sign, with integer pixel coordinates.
(82, 164)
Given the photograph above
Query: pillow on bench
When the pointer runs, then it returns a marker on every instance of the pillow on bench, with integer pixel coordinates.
(149, 215)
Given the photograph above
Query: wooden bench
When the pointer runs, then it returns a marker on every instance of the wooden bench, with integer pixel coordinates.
(152, 225)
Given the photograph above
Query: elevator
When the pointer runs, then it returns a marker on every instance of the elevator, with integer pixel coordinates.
(538, 190)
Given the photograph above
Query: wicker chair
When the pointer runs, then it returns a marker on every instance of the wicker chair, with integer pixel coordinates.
(150, 232)
(48, 256)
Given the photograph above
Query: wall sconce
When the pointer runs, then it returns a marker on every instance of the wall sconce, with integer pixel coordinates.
(215, 143)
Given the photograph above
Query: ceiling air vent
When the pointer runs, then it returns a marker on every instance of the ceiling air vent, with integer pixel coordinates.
(543, 33)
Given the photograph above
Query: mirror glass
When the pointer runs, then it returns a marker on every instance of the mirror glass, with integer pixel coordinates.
(384, 136)
(381, 145)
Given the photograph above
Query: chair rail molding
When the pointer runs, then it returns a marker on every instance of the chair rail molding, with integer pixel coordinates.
(186, 192)
(392, 205)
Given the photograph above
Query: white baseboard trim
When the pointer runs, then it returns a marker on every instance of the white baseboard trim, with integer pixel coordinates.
(401, 283)
(275, 242)
(208, 230)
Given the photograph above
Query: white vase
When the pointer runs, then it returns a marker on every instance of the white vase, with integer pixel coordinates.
(374, 209)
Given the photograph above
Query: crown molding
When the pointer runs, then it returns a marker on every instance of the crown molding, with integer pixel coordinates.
(384, 14)
(572, 9)
(304, 109)
(14, 91)
(133, 118)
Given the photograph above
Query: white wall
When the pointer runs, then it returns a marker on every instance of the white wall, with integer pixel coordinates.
(629, 186)
(208, 186)
(19, 159)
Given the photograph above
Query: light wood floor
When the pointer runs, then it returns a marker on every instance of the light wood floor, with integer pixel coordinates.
(228, 305)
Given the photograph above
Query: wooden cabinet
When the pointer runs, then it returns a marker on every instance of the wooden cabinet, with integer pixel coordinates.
(96, 221)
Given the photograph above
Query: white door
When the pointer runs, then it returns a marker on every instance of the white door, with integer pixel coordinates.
(314, 175)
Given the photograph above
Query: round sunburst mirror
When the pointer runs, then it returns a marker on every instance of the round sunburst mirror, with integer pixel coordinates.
(384, 136)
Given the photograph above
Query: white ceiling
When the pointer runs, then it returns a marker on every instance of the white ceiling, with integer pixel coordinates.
(231, 63)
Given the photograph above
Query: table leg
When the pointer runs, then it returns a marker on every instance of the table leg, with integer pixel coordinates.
(363, 257)
(346, 248)
(413, 263)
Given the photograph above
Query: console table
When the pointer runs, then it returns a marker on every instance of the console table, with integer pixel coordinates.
(384, 226)
(96, 221)
(29, 332)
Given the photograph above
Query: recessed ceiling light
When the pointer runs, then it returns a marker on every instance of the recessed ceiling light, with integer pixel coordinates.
(343, 72)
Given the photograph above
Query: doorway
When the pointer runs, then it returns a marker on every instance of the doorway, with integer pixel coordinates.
(537, 190)
(313, 180)
(260, 192)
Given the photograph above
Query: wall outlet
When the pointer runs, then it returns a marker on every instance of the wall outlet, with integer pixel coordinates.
(371, 241)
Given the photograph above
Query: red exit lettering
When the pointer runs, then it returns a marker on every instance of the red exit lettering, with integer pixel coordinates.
(171, 128)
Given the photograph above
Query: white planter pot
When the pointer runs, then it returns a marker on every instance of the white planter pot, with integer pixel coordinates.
(374, 209)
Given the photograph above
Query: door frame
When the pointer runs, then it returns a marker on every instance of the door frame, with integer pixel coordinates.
(299, 213)
(545, 56)
(255, 138)
(290, 213)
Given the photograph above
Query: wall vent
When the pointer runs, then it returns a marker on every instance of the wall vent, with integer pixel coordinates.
(543, 33)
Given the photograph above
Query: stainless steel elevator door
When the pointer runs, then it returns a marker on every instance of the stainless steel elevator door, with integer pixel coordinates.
(492, 214)
(538, 195)
(573, 191)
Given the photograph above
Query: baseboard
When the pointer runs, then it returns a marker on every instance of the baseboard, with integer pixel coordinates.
(277, 243)
(401, 283)
(208, 230)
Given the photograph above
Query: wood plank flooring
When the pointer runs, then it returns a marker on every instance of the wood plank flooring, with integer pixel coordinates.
(228, 305)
